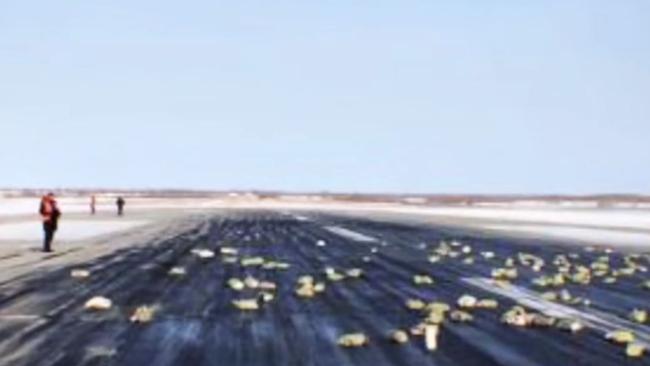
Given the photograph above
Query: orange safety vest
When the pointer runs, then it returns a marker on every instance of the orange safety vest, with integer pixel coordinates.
(48, 208)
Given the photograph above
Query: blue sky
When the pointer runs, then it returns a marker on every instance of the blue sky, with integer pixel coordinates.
(355, 96)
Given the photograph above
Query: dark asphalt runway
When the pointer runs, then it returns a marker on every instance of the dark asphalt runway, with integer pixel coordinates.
(43, 320)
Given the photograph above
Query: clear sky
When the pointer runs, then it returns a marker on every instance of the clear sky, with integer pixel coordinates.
(393, 96)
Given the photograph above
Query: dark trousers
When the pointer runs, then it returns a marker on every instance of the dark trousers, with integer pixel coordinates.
(49, 230)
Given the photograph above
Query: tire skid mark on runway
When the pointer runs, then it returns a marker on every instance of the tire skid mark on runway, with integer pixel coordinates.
(107, 279)
(198, 326)
(559, 346)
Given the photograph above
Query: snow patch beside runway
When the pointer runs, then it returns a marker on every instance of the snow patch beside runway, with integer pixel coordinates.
(576, 233)
(68, 229)
(350, 234)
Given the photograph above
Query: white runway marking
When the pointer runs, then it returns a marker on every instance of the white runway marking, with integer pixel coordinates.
(592, 318)
(350, 234)
(20, 317)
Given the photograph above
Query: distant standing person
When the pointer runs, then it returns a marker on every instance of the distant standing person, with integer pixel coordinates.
(50, 213)
(120, 206)
(93, 202)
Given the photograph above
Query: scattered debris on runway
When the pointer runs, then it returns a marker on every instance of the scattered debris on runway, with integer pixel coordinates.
(236, 284)
(431, 336)
(228, 251)
(423, 303)
(203, 253)
(488, 255)
(487, 304)
(516, 316)
(467, 302)
(246, 304)
(504, 274)
(273, 265)
(266, 297)
(143, 314)
(353, 340)
(435, 317)
(333, 275)
(570, 325)
(319, 287)
(434, 258)
(79, 273)
(417, 330)
(423, 280)
(556, 280)
(635, 350)
(267, 286)
(646, 285)
(354, 272)
(609, 280)
(639, 316)
(471, 302)
(229, 260)
(460, 316)
(307, 288)
(177, 271)
(620, 336)
(543, 321)
(98, 303)
(251, 282)
(438, 307)
(415, 304)
(399, 336)
(252, 261)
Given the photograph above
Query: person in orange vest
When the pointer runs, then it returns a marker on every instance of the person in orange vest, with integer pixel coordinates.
(50, 213)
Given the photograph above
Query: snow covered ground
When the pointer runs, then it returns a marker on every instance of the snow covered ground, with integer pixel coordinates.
(604, 226)
(601, 217)
(19, 220)
(29, 206)
(69, 229)
(589, 223)
(605, 237)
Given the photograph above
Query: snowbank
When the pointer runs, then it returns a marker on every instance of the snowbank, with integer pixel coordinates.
(599, 236)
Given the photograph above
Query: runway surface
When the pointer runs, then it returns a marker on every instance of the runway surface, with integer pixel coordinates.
(43, 320)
